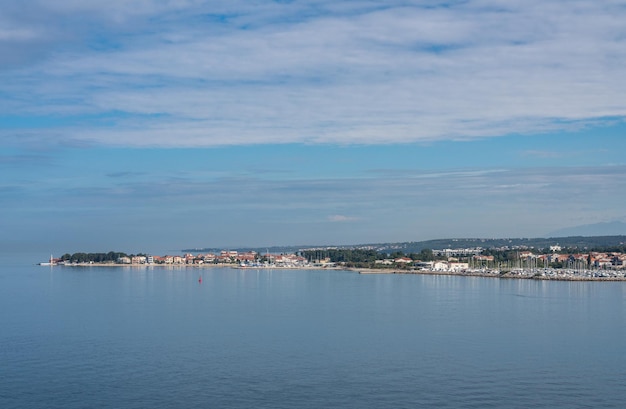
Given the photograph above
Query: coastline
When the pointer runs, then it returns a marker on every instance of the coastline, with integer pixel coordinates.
(563, 276)
(555, 275)
(196, 266)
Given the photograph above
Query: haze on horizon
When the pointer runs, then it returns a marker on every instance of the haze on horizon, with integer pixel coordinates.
(156, 125)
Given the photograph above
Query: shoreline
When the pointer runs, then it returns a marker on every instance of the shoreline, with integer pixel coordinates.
(196, 266)
(507, 276)
(522, 275)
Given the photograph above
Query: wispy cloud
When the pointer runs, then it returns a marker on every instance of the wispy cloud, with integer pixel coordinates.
(543, 154)
(202, 73)
(340, 218)
(190, 206)
(584, 191)
(124, 174)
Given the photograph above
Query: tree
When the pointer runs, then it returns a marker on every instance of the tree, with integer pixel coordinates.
(426, 255)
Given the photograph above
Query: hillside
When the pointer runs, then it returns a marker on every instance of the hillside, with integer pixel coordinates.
(581, 242)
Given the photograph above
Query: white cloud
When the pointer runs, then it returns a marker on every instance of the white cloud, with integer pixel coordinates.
(339, 218)
(199, 73)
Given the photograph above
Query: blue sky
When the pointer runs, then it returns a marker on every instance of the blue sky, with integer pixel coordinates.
(157, 125)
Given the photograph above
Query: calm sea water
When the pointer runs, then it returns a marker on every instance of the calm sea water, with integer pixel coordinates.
(157, 338)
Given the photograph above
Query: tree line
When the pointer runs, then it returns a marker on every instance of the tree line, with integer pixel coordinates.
(111, 256)
(361, 257)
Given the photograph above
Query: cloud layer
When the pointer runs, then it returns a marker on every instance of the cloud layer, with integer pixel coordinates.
(196, 207)
(202, 73)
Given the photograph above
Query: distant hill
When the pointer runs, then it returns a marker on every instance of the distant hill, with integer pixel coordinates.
(581, 242)
(613, 228)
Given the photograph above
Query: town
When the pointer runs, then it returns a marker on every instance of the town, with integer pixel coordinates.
(551, 263)
(225, 258)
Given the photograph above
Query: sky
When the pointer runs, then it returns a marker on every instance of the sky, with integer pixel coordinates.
(157, 125)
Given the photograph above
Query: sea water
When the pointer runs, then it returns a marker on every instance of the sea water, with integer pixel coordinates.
(111, 337)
